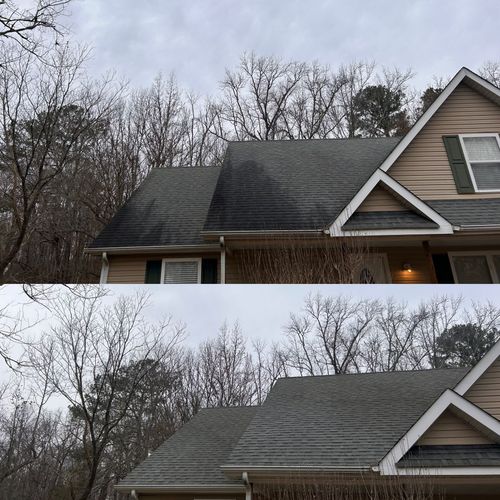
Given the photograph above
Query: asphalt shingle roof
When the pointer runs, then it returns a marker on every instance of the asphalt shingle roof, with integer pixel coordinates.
(452, 456)
(291, 185)
(339, 420)
(468, 212)
(193, 455)
(169, 208)
(388, 220)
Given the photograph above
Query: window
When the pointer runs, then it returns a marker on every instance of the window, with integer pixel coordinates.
(179, 271)
(475, 267)
(482, 154)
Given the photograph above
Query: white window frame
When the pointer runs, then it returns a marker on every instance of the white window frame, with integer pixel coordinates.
(180, 259)
(489, 254)
(468, 162)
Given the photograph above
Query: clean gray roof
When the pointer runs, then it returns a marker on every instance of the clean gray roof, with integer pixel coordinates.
(338, 420)
(193, 455)
(388, 220)
(169, 208)
(291, 185)
(468, 212)
(452, 456)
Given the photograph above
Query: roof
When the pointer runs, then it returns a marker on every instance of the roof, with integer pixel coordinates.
(339, 420)
(192, 456)
(291, 185)
(388, 220)
(478, 212)
(452, 456)
(169, 208)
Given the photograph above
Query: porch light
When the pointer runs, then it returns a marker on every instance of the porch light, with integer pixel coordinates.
(408, 268)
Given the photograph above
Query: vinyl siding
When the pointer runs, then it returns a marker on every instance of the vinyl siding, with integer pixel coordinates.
(423, 168)
(380, 200)
(185, 496)
(449, 429)
(485, 393)
(131, 269)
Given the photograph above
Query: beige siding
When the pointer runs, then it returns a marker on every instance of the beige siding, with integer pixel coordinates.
(381, 200)
(449, 429)
(423, 168)
(131, 269)
(485, 393)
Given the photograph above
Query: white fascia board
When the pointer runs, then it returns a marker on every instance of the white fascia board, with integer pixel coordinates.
(448, 399)
(381, 177)
(181, 488)
(473, 375)
(449, 471)
(422, 121)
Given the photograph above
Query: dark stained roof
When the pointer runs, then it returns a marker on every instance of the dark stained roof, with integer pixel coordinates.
(169, 208)
(468, 212)
(388, 220)
(338, 420)
(291, 185)
(192, 456)
(452, 456)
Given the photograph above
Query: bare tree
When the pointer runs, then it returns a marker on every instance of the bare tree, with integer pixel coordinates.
(26, 24)
(47, 119)
(83, 358)
(328, 336)
(490, 70)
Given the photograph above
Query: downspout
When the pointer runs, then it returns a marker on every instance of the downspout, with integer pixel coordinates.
(248, 486)
(134, 496)
(104, 269)
(222, 260)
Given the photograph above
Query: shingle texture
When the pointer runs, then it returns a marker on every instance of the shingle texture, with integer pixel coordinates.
(452, 456)
(169, 208)
(468, 212)
(340, 420)
(192, 456)
(388, 220)
(291, 185)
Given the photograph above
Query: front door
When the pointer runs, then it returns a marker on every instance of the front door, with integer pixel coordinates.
(374, 270)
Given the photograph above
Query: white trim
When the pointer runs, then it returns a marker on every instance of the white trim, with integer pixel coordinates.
(422, 121)
(222, 261)
(450, 471)
(187, 488)
(180, 259)
(448, 399)
(104, 269)
(495, 277)
(475, 373)
(209, 247)
(381, 177)
(468, 162)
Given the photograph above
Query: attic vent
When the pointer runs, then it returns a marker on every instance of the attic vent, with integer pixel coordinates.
(181, 271)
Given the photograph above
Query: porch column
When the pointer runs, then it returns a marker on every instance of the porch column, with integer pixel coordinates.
(430, 262)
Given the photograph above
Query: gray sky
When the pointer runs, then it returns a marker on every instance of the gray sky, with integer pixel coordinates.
(261, 310)
(197, 39)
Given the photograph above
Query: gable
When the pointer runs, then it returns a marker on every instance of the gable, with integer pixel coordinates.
(423, 167)
(485, 392)
(449, 429)
(381, 200)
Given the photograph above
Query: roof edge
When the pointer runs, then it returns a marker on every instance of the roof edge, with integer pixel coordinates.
(152, 249)
(176, 488)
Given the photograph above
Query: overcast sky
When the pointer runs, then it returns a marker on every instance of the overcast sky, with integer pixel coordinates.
(197, 39)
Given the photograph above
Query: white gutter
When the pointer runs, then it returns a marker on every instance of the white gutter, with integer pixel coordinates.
(180, 488)
(222, 260)
(213, 247)
(479, 227)
(104, 269)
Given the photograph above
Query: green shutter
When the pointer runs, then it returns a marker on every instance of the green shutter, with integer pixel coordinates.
(458, 164)
(153, 271)
(209, 271)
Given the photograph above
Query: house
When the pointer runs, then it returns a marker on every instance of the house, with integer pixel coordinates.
(437, 427)
(425, 208)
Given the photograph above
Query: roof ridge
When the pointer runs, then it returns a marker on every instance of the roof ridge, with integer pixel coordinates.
(265, 141)
(455, 368)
